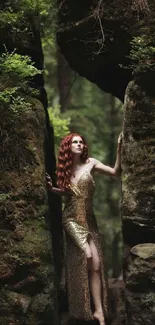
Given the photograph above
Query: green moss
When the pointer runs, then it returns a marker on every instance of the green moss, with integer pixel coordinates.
(40, 302)
(36, 239)
(124, 177)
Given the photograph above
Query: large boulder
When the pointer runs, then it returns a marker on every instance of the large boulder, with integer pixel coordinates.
(138, 190)
(95, 37)
(140, 285)
(29, 266)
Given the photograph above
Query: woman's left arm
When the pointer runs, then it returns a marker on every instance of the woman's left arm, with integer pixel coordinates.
(115, 171)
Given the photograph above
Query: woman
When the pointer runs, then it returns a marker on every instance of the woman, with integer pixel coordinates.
(86, 280)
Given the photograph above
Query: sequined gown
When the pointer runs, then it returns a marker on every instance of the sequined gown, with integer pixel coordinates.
(79, 223)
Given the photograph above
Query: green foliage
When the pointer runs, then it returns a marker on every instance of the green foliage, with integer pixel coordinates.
(9, 17)
(42, 6)
(18, 104)
(47, 11)
(142, 53)
(16, 15)
(16, 72)
(18, 67)
(60, 124)
(7, 94)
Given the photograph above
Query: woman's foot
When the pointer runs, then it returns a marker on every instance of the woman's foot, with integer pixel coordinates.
(100, 317)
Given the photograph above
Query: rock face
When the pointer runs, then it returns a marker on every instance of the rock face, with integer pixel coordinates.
(28, 266)
(138, 205)
(138, 210)
(140, 289)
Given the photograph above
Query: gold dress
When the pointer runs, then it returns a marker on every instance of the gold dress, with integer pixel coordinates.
(79, 223)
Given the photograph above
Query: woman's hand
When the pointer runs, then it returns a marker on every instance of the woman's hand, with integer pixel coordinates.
(52, 188)
(49, 181)
(119, 141)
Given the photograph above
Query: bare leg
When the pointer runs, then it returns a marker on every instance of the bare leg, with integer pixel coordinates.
(95, 283)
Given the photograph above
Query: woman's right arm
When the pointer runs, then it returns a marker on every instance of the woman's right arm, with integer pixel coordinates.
(54, 189)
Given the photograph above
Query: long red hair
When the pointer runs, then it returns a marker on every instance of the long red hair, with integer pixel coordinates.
(65, 160)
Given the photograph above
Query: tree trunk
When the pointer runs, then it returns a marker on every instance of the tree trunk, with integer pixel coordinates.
(138, 202)
(29, 264)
